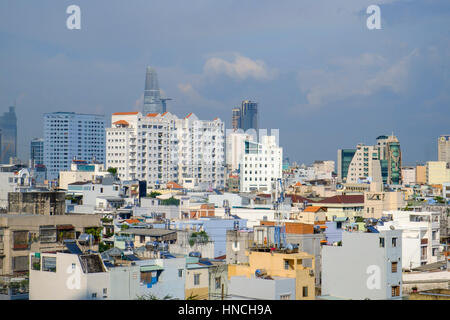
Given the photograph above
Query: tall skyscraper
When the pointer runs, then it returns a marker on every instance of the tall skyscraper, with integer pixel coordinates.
(69, 136)
(236, 118)
(152, 95)
(37, 151)
(390, 159)
(444, 148)
(8, 126)
(249, 115)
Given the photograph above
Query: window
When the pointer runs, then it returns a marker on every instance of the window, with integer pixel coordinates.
(218, 283)
(305, 291)
(286, 265)
(94, 295)
(394, 242)
(49, 264)
(381, 242)
(141, 239)
(395, 291)
(196, 279)
(394, 267)
(105, 291)
(285, 297)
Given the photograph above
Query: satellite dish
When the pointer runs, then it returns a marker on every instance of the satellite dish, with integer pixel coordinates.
(392, 227)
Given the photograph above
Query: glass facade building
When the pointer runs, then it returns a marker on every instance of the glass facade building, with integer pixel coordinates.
(152, 95)
(345, 157)
(8, 127)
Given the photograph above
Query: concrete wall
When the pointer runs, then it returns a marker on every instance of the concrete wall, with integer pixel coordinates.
(45, 203)
(124, 283)
(347, 270)
(243, 288)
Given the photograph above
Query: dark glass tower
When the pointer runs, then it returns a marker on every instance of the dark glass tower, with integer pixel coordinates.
(249, 115)
(152, 95)
(8, 127)
(236, 118)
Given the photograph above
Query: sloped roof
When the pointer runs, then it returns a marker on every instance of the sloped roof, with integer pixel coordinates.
(352, 198)
(299, 199)
(123, 122)
(152, 115)
(312, 209)
(173, 185)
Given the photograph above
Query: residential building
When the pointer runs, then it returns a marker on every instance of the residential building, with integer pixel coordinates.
(235, 148)
(82, 171)
(274, 265)
(376, 202)
(409, 176)
(420, 237)
(438, 172)
(68, 276)
(69, 136)
(160, 148)
(13, 178)
(349, 206)
(197, 281)
(444, 148)
(238, 243)
(46, 202)
(21, 234)
(261, 165)
(421, 174)
(366, 266)
(8, 127)
(218, 280)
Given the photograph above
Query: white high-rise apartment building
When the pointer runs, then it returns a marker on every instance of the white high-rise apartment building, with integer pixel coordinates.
(235, 148)
(261, 165)
(365, 165)
(69, 136)
(160, 148)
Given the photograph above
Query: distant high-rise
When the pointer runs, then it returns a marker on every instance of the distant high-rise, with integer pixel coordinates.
(444, 148)
(249, 115)
(236, 118)
(8, 126)
(344, 158)
(152, 95)
(37, 151)
(390, 159)
(69, 136)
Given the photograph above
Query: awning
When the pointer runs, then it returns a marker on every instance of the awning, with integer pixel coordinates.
(151, 268)
(323, 227)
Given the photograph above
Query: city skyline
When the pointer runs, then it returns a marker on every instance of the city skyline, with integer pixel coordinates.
(322, 95)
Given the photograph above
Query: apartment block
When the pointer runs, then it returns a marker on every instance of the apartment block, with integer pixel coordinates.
(69, 136)
(437, 172)
(261, 165)
(160, 148)
(365, 165)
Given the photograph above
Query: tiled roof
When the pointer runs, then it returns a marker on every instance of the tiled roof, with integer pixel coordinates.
(312, 209)
(299, 199)
(190, 114)
(124, 113)
(353, 198)
(164, 114)
(125, 123)
(173, 185)
(152, 115)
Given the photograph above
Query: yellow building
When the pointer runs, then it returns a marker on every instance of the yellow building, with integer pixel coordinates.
(197, 282)
(437, 172)
(279, 264)
(421, 174)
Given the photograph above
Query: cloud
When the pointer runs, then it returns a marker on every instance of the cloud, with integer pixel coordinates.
(347, 77)
(240, 68)
(194, 98)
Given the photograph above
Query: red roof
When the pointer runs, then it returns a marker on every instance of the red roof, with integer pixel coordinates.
(132, 221)
(164, 114)
(299, 199)
(123, 122)
(173, 185)
(352, 198)
(190, 114)
(312, 209)
(152, 114)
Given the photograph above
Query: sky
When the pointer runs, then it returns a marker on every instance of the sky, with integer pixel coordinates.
(318, 73)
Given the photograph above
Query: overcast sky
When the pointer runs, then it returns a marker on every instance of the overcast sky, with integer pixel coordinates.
(318, 73)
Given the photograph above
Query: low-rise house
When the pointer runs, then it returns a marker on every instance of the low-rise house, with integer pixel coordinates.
(368, 265)
(294, 268)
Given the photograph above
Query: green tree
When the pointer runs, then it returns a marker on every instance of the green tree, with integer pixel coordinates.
(170, 202)
(153, 194)
(113, 171)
